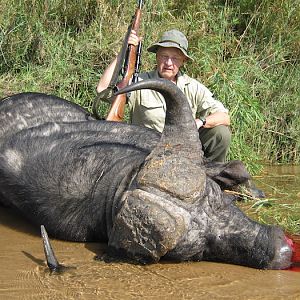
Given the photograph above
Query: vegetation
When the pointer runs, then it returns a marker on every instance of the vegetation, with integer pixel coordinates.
(282, 210)
(281, 205)
(246, 51)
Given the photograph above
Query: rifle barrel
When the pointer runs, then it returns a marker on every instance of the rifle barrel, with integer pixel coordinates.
(131, 65)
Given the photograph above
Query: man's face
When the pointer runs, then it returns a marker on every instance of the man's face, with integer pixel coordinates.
(169, 61)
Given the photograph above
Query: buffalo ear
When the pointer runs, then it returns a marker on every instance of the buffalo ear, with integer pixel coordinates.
(227, 175)
(147, 227)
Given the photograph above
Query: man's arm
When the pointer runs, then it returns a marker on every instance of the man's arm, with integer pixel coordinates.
(106, 77)
(108, 73)
(212, 111)
(213, 120)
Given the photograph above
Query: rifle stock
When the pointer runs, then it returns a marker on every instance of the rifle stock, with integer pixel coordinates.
(117, 109)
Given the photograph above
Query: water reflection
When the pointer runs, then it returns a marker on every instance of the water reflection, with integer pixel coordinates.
(280, 181)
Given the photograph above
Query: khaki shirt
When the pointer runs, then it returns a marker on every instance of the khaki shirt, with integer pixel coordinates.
(148, 107)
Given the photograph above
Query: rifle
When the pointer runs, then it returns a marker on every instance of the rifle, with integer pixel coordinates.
(130, 55)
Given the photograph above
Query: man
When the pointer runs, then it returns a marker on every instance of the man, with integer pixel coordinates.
(148, 108)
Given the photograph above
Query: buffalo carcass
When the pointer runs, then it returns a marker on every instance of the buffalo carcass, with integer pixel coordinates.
(148, 195)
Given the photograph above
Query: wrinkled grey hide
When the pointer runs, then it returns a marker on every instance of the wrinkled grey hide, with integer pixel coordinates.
(148, 196)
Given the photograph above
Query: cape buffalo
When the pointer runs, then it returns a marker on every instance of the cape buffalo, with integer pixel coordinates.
(147, 195)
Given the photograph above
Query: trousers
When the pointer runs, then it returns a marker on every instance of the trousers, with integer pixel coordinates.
(215, 142)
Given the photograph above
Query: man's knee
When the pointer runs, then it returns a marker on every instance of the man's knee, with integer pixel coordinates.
(222, 135)
(215, 142)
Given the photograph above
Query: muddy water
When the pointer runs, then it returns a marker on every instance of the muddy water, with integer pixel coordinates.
(23, 274)
(281, 182)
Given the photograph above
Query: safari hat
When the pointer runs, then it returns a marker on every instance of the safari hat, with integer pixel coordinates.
(172, 38)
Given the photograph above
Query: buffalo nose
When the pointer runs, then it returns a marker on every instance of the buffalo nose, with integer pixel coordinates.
(283, 256)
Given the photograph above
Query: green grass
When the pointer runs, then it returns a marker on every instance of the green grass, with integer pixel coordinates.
(274, 211)
(246, 52)
(281, 205)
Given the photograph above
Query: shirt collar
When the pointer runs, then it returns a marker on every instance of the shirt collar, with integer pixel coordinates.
(182, 79)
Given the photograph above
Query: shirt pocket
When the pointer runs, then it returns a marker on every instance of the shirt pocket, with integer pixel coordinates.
(150, 112)
(151, 100)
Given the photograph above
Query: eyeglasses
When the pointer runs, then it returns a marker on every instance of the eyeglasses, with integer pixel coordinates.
(174, 59)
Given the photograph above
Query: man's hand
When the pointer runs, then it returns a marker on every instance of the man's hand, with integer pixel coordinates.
(107, 75)
(199, 123)
(213, 120)
(133, 38)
